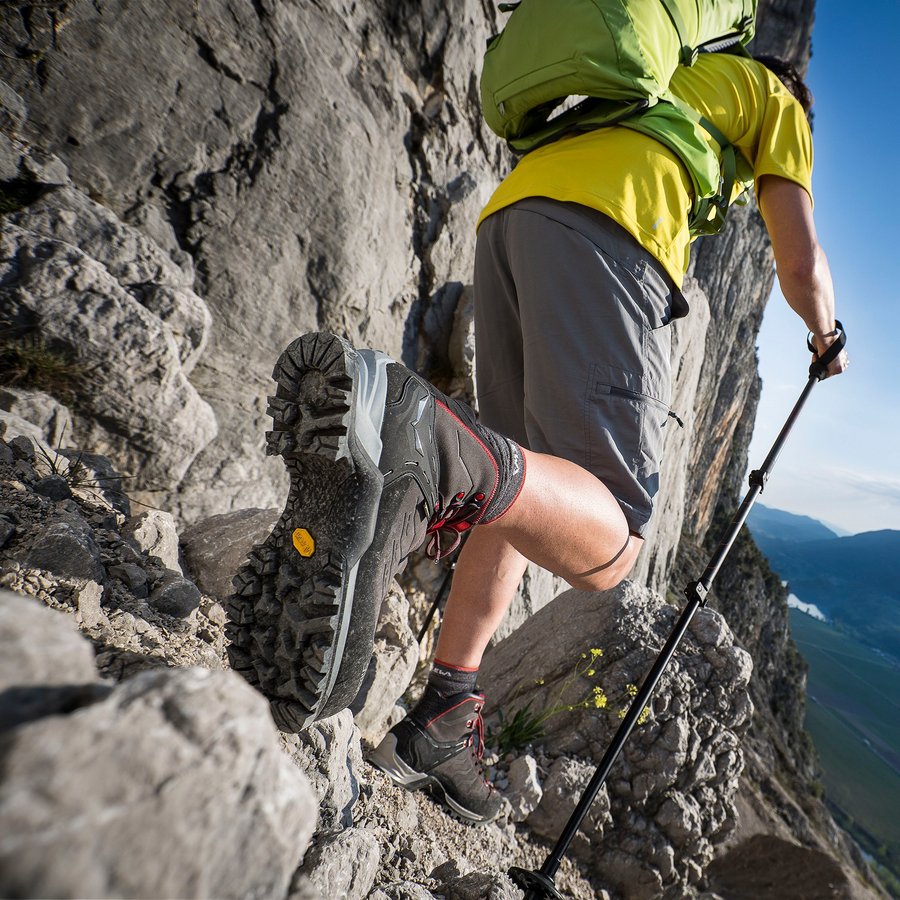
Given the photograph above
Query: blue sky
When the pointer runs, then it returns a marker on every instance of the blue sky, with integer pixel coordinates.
(841, 463)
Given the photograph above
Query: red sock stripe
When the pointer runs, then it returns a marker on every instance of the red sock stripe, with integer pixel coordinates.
(455, 668)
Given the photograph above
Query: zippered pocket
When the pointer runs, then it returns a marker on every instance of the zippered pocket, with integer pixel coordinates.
(632, 395)
(626, 434)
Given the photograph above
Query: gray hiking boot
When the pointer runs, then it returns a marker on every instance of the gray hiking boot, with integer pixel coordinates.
(443, 755)
(379, 461)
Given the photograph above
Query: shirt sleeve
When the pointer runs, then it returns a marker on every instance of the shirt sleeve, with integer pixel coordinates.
(785, 142)
(751, 106)
(779, 140)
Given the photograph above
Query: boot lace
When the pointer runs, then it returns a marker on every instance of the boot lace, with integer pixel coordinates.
(449, 521)
(475, 741)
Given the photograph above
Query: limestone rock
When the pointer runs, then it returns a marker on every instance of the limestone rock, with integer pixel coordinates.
(483, 886)
(87, 598)
(9, 159)
(12, 110)
(524, 792)
(46, 413)
(328, 752)
(215, 548)
(654, 564)
(562, 789)
(133, 260)
(175, 595)
(402, 890)
(342, 865)
(154, 532)
(46, 666)
(672, 791)
(174, 765)
(140, 409)
(537, 589)
(352, 209)
(67, 551)
(390, 669)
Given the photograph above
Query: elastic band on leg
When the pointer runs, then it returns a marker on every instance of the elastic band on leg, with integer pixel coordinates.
(606, 565)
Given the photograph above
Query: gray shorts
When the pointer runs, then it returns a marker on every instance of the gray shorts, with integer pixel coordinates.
(571, 345)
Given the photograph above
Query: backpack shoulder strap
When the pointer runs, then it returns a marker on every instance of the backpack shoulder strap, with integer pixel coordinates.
(734, 168)
(687, 55)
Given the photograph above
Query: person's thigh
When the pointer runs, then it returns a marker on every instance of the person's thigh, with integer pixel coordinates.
(580, 323)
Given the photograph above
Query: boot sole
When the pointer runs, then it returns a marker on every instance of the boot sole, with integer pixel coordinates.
(296, 598)
(384, 757)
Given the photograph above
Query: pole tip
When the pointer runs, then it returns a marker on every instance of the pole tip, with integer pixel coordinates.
(536, 885)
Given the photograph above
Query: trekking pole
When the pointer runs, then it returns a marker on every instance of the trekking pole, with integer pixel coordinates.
(442, 592)
(540, 885)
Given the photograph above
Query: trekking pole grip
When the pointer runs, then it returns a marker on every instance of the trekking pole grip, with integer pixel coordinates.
(820, 364)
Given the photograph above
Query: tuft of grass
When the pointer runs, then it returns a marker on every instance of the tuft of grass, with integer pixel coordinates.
(514, 733)
(29, 360)
(526, 725)
(17, 194)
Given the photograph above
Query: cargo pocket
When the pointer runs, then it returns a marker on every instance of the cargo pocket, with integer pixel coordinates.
(625, 438)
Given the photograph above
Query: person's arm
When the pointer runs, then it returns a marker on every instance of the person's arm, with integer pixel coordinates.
(800, 261)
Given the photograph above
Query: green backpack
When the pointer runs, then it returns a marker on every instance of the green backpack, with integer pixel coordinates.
(618, 55)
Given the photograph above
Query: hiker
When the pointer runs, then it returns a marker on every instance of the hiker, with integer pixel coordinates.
(580, 258)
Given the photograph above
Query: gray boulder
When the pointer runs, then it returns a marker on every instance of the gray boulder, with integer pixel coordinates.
(175, 595)
(340, 865)
(140, 408)
(137, 263)
(329, 753)
(483, 886)
(525, 791)
(67, 551)
(672, 791)
(390, 670)
(215, 548)
(154, 532)
(173, 785)
(46, 413)
(561, 791)
(46, 667)
(169, 784)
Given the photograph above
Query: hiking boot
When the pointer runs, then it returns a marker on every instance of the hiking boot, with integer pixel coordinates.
(443, 755)
(379, 461)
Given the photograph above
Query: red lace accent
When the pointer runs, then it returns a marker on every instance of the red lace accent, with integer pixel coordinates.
(476, 739)
(449, 521)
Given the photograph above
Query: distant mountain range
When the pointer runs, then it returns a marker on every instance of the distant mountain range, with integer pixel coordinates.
(855, 580)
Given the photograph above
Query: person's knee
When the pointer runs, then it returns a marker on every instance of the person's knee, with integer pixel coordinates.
(607, 577)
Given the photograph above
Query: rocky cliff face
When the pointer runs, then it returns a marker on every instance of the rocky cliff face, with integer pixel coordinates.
(185, 187)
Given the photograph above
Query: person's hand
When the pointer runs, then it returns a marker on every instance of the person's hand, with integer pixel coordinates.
(840, 363)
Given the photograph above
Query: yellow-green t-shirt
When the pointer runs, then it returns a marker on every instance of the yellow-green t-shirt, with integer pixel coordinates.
(642, 185)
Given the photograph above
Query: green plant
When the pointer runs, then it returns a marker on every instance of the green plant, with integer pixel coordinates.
(74, 471)
(28, 359)
(526, 725)
(630, 693)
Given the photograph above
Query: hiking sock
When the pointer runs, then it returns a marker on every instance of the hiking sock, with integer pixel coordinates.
(444, 681)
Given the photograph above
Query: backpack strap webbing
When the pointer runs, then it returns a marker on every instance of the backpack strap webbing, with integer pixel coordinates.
(711, 219)
(687, 56)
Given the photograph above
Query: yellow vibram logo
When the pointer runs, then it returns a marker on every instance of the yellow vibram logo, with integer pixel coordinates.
(304, 542)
